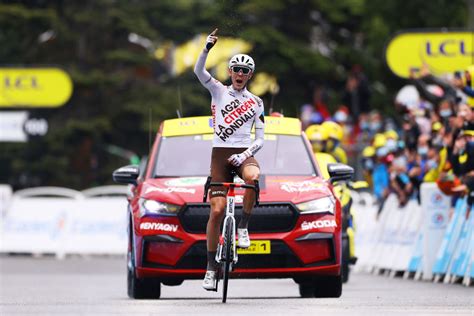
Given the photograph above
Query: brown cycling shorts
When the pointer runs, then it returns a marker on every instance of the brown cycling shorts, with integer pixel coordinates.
(221, 169)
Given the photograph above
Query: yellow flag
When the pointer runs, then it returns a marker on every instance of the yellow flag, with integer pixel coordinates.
(185, 55)
(263, 83)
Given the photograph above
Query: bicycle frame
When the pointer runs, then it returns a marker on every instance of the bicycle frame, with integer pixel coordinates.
(229, 216)
(228, 219)
(230, 209)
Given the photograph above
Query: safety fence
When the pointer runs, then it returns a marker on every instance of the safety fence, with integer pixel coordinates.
(60, 221)
(432, 241)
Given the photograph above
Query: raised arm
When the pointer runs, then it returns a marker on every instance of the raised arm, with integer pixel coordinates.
(200, 68)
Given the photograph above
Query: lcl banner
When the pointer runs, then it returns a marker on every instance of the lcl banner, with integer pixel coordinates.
(34, 87)
(443, 52)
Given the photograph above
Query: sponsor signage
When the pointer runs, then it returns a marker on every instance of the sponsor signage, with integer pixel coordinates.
(443, 52)
(34, 87)
(11, 126)
(318, 224)
(159, 226)
(191, 181)
(171, 190)
(204, 125)
(15, 126)
(303, 186)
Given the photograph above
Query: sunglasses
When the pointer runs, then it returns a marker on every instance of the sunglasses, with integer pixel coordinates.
(237, 69)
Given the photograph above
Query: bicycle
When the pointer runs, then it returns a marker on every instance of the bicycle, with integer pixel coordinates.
(226, 255)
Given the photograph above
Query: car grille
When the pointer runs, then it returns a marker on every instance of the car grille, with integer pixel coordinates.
(281, 257)
(266, 218)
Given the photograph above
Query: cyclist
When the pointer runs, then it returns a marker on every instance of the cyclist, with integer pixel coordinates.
(318, 137)
(335, 134)
(234, 112)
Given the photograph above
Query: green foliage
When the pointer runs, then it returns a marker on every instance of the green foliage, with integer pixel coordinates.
(120, 89)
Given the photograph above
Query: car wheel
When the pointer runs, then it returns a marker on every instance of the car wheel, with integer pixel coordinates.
(140, 288)
(345, 260)
(328, 286)
(306, 290)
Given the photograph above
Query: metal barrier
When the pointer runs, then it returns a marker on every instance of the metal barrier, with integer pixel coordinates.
(61, 221)
(422, 241)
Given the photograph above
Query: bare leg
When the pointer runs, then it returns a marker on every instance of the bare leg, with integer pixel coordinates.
(250, 174)
(213, 229)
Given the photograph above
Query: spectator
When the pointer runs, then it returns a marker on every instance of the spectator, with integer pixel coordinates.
(421, 84)
(320, 102)
(375, 122)
(357, 93)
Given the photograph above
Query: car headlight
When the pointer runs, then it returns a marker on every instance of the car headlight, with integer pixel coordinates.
(322, 205)
(152, 207)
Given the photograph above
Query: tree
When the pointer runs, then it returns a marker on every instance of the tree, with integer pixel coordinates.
(119, 85)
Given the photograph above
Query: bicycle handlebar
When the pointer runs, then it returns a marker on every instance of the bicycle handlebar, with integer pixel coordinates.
(255, 187)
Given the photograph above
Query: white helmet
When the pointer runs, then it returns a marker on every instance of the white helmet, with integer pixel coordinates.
(242, 60)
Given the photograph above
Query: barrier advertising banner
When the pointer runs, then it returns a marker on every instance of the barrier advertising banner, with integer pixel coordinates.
(450, 239)
(60, 221)
(435, 209)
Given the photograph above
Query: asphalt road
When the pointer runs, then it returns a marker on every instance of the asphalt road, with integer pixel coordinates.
(97, 286)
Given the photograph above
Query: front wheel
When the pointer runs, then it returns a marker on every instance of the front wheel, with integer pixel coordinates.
(228, 242)
(140, 288)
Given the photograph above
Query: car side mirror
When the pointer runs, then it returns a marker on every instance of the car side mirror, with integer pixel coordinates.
(340, 172)
(127, 174)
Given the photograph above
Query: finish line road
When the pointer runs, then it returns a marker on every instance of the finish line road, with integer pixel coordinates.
(97, 286)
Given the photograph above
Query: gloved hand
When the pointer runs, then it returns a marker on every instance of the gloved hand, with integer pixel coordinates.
(237, 159)
(211, 40)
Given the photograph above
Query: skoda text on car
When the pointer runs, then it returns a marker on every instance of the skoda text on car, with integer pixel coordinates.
(295, 230)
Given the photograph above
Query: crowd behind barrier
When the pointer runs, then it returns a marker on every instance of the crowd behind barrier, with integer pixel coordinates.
(427, 145)
(419, 240)
(60, 221)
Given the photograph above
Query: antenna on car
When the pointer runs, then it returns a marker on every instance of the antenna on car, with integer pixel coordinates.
(180, 102)
(149, 128)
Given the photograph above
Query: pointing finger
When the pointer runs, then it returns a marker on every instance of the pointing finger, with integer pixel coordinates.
(214, 32)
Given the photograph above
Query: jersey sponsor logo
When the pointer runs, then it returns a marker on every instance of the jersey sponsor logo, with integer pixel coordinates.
(318, 224)
(235, 114)
(159, 226)
(170, 190)
(213, 111)
(235, 110)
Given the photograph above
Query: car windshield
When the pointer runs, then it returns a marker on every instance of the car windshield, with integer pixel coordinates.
(191, 156)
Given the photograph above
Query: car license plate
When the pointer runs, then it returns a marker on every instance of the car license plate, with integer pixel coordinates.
(257, 247)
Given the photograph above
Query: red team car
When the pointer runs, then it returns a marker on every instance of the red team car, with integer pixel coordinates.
(295, 230)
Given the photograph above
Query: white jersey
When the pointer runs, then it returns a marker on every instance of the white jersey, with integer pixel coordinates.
(233, 112)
